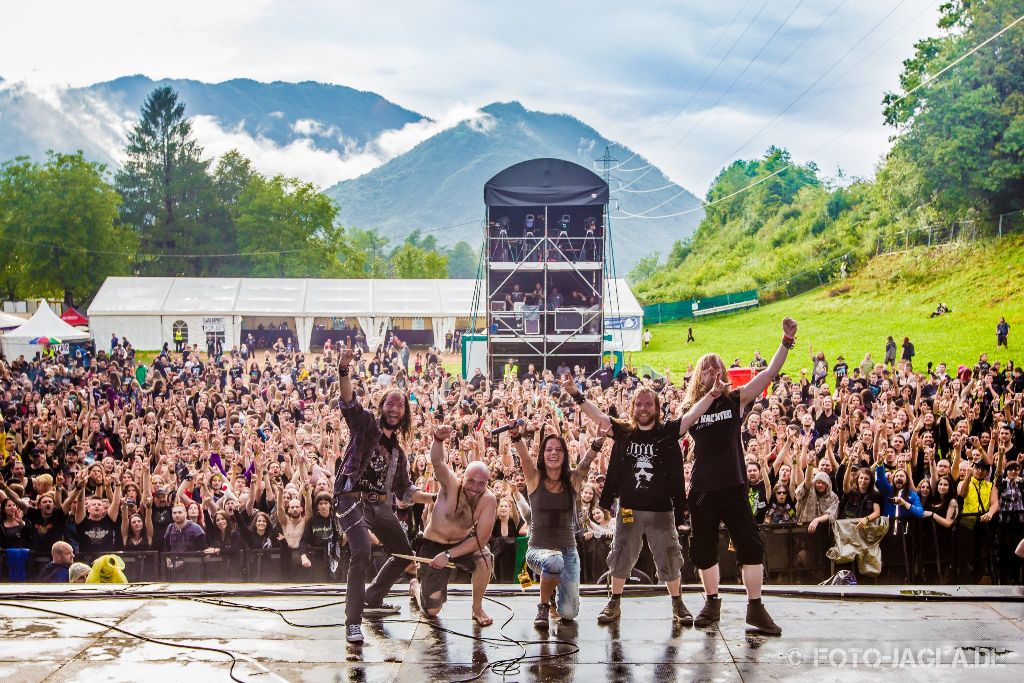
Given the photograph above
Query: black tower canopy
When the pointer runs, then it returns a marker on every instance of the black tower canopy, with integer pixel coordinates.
(546, 182)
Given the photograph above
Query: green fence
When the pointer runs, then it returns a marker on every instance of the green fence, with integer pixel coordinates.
(691, 308)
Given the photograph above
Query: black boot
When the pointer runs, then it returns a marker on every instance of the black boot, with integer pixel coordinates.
(541, 620)
(709, 614)
(611, 611)
(758, 617)
(680, 614)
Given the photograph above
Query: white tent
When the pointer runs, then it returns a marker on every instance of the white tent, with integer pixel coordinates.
(44, 323)
(9, 322)
(147, 310)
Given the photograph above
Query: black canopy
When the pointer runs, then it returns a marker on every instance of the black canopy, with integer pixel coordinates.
(546, 182)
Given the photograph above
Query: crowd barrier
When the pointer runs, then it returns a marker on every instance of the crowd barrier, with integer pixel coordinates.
(914, 551)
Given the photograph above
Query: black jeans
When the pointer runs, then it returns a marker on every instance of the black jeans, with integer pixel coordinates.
(357, 520)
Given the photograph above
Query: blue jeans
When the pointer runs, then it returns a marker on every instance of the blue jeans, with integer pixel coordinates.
(564, 565)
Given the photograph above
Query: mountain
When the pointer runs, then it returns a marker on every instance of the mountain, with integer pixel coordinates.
(97, 118)
(327, 133)
(440, 181)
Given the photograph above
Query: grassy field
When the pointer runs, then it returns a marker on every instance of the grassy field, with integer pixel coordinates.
(892, 295)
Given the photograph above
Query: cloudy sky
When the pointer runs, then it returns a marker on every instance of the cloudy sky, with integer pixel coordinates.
(691, 85)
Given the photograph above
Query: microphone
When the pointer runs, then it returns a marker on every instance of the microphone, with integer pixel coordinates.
(504, 428)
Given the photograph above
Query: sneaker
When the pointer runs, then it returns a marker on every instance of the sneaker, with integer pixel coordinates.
(553, 609)
(680, 614)
(709, 614)
(353, 633)
(611, 612)
(758, 617)
(541, 620)
(381, 610)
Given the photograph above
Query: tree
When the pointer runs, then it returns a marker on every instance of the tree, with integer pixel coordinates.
(411, 262)
(16, 177)
(680, 250)
(231, 176)
(286, 227)
(463, 260)
(645, 268)
(66, 213)
(964, 130)
(364, 254)
(168, 198)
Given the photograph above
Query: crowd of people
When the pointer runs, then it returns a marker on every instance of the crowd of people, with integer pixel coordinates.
(227, 455)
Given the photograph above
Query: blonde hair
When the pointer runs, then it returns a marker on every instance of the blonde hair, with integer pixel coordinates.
(513, 510)
(696, 389)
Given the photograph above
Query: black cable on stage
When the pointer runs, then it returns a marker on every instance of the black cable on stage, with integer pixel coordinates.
(502, 667)
(139, 636)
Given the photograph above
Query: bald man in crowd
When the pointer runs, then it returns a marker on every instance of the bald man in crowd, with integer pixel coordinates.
(460, 527)
(62, 555)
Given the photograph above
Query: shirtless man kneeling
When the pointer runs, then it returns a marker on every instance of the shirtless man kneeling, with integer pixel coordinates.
(459, 529)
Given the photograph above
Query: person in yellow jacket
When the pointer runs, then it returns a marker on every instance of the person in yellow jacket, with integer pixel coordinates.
(981, 503)
(511, 369)
(981, 498)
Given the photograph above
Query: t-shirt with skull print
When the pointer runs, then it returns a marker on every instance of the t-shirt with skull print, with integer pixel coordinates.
(645, 471)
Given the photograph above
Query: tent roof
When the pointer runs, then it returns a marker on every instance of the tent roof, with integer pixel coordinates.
(9, 322)
(73, 317)
(121, 296)
(45, 323)
(546, 182)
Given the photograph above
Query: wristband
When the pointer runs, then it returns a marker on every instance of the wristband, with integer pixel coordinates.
(515, 438)
(579, 399)
(788, 342)
(343, 372)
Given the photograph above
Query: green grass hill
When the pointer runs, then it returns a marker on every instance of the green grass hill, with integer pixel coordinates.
(890, 295)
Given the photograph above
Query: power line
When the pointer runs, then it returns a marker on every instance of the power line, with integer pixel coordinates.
(817, 80)
(788, 106)
(63, 247)
(792, 52)
(708, 77)
(686, 80)
(725, 92)
(917, 87)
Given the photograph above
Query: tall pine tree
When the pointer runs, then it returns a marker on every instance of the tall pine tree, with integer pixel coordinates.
(168, 196)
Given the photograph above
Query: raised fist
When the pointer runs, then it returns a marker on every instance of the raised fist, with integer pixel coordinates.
(789, 327)
(442, 432)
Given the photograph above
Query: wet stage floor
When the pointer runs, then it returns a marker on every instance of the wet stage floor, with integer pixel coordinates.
(980, 636)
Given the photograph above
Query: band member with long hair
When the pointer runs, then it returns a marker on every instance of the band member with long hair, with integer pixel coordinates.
(718, 481)
(373, 469)
(645, 473)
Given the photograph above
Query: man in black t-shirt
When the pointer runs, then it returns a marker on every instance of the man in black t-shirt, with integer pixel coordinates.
(47, 522)
(97, 530)
(161, 516)
(645, 473)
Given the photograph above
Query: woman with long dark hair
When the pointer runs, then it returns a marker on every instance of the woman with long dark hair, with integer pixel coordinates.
(552, 488)
(941, 509)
